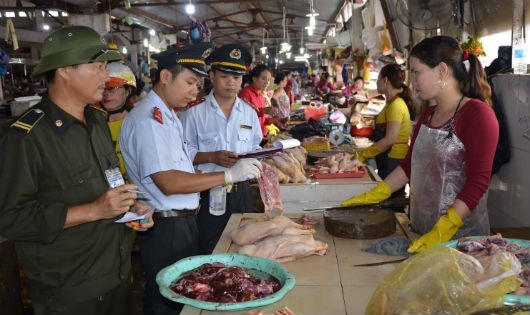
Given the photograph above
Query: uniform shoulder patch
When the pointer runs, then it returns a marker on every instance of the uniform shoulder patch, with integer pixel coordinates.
(196, 102)
(28, 120)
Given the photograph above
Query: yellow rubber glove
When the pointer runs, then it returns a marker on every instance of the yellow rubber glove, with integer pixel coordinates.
(443, 230)
(273, 130)
(375, 195)
(371, 151)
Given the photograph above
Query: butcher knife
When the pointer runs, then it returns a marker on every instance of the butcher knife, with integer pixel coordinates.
(395, 261)
(389, 203)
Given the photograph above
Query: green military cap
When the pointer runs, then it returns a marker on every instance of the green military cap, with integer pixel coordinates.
(231, 58)
(191, 56)
(71, 46)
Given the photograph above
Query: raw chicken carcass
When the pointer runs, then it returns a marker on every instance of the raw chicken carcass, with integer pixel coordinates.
(290, 166)
(285, 248)
(269, 189)
(256, 230)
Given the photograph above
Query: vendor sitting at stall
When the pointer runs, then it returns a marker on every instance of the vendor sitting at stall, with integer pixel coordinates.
(324, 86)
(356, 89)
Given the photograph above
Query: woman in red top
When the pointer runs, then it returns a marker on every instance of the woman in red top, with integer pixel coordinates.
(254, 94)
(451, 154)
(324, 87)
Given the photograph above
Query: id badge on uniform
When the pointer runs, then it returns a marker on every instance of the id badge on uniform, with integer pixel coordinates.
(114, 177)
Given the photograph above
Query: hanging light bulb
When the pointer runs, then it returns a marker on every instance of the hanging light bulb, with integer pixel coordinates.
(124, 50)
(190, 8)
(312, 15)
(146, 43)
(312, 21)
(263, 48)
(288, 55)
(152, 32)
(302, 49)
(309, 30)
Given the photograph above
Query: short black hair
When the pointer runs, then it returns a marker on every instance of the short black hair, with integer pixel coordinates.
(174, 69)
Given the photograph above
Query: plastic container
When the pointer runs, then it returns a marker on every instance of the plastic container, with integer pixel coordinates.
(218, 200)
(366, 132)
(509, 299)
(358, 174)
(166, 276)
(315, 112)
(319, 146)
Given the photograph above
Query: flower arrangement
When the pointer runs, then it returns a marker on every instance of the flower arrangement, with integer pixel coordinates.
(473, 45)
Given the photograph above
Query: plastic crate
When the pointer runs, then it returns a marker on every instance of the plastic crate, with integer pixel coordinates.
(321, 146)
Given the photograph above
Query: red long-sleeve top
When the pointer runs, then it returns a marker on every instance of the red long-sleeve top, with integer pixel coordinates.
(477, 127)
(255, 98)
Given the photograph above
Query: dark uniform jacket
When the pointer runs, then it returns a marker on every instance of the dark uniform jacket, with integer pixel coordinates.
(50, 161)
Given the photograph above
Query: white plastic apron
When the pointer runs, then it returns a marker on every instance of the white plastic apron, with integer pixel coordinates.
(437, 176)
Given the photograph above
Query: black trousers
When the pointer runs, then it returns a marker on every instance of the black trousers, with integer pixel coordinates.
(116, 301)
(211, 227)
(168, 241)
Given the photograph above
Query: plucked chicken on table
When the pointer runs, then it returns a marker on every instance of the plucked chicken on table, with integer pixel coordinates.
(280, 239)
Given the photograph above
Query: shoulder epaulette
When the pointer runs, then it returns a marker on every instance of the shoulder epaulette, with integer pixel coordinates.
(196, 102)
(28, 120)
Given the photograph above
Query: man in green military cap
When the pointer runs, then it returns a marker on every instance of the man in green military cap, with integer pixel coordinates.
(61, 189)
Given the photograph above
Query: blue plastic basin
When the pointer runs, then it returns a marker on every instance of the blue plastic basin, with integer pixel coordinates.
(173, 272)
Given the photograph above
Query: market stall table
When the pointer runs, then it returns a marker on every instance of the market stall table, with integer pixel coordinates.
(325, 192)
(324, 284)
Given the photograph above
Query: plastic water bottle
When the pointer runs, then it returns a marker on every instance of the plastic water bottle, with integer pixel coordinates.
(519, 56)
(218, 200)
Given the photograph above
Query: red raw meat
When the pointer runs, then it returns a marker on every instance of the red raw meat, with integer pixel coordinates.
(269, 189)
(217, 283)
(480, 247)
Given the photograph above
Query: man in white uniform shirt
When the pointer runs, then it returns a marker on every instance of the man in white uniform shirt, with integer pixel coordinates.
(216, 131)
(158, 162)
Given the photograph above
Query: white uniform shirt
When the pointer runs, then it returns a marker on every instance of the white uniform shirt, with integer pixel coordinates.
(149, 146)
(206, 129)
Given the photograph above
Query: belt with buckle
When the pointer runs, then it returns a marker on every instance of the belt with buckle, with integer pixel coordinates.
(239, 186)
(176, 213)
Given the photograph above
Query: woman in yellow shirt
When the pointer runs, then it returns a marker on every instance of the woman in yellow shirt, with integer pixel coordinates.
(118, 90)
(392, 129)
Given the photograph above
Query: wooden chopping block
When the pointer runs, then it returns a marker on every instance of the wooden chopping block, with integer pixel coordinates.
(360, 222)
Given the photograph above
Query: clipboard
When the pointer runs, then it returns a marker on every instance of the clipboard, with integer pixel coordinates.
(277, 146)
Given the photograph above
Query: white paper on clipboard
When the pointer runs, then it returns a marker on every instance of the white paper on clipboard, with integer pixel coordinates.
(276, 147)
